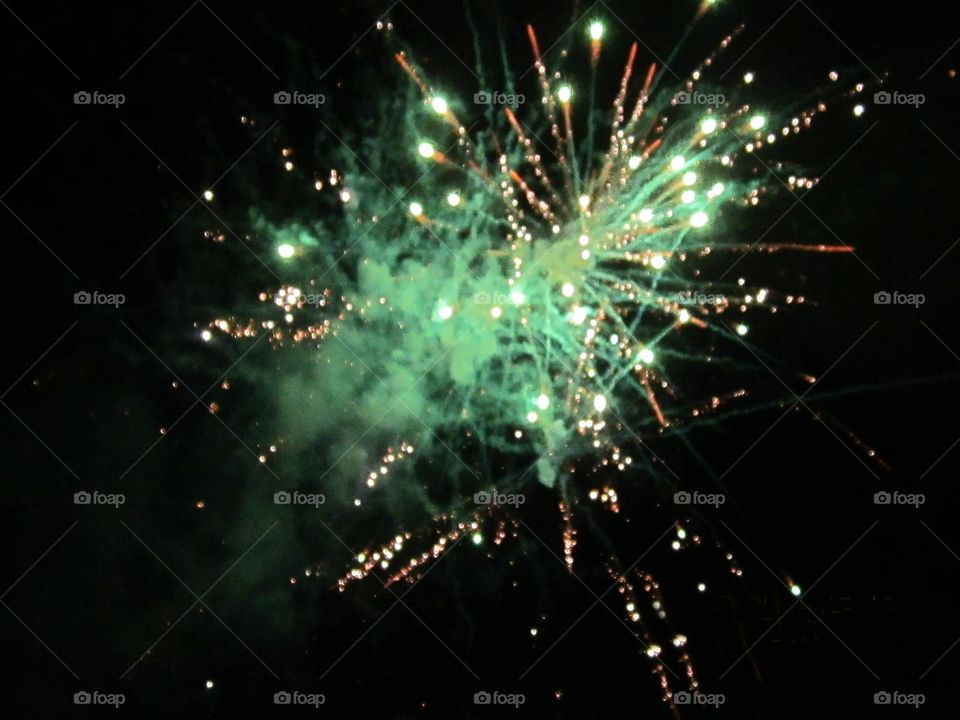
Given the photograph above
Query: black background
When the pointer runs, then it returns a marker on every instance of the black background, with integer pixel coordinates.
(82, 415)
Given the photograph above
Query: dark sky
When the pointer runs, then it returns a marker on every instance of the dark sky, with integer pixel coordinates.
(106, 198)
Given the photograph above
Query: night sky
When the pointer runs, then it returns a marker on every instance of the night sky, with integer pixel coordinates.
(191, 598)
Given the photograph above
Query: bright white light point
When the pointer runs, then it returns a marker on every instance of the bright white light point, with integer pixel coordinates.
(599, 403)
(208, 195)
(676, 545)
(678, 162)
(757, 122)
(477, 538)
(795, 590)
(701, 587)
(748, 78)
(416, 209)
(658, 261)
(742, 329)
(495, 312)
(209, 684)
(699, 219)
(445, 312)
(688, 196)
(614, 339)
(858, 110)
(345, 196)
(288, 166)
(646, 215)
(517, 297)
(834, 75)
(206, 335)
(532, 417)
(564, 93)
(708, 125)
(568, 290)
(584, 201)
(425, 150)
(453, 199)
(584, 240)
(543, 402)
(634, 162)
(684, 316)
(533, 631)
(689, 178)
(596, 30)
(681, 533)
(646, 355)
(585, 255)
(286, 250)
(579, 315)
(717, 189)
(439, 105)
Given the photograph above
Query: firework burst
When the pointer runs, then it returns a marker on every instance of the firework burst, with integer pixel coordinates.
(514, 311)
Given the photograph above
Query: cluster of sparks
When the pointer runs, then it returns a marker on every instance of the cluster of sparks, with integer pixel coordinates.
(537, 298)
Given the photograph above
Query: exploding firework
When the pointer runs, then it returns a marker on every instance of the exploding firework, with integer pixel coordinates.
(509, 296)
